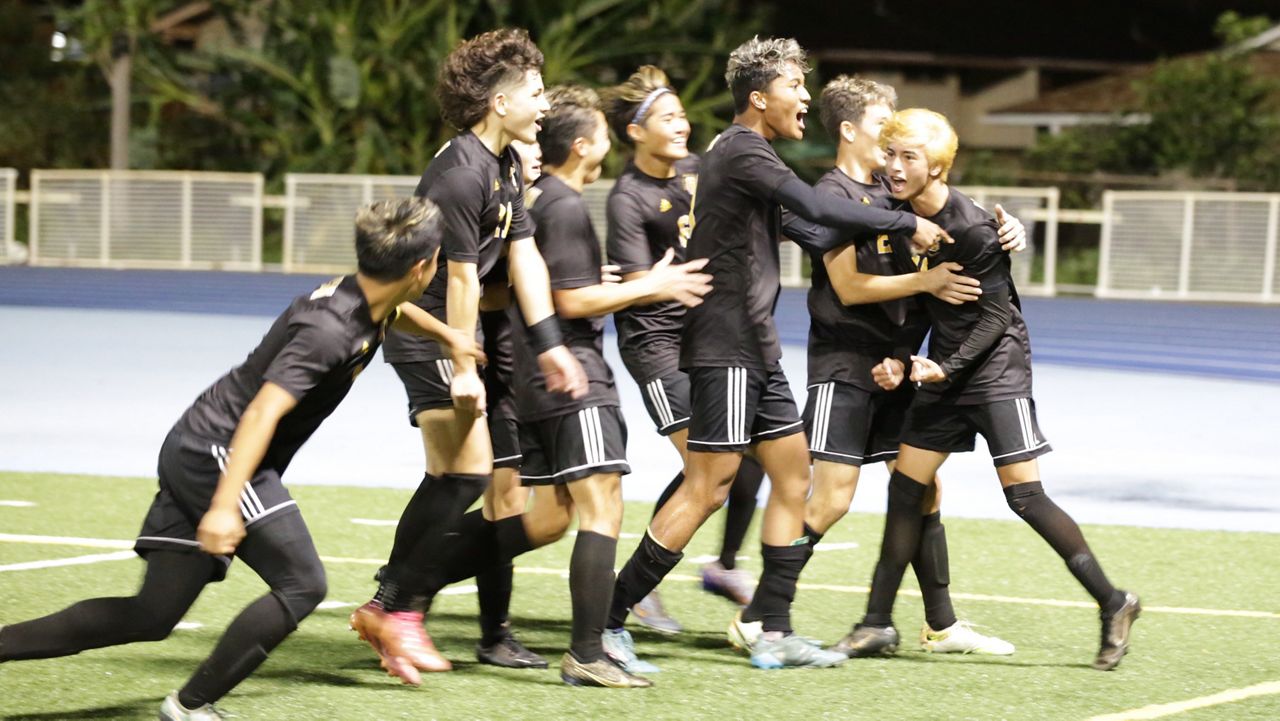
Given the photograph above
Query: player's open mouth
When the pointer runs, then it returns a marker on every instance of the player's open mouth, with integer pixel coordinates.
(800, 117)
(897, 184)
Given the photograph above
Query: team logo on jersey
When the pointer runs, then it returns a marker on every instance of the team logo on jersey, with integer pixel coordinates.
(866, 200)
(496, 185)
(922, 264)
(664, 205)
(690, 182)
(882, 245)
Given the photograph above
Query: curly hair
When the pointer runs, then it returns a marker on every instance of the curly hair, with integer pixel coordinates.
(847, 98)
(756, 63)
(478, 68)
(621, 102)
(572, 116)
(392, 235)
(917, 126)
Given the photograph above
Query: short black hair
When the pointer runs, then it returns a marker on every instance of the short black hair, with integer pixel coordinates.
(393, 235)
(756, 63)
(573, 115)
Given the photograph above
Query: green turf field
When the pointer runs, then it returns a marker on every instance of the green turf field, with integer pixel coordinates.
(1193, 641)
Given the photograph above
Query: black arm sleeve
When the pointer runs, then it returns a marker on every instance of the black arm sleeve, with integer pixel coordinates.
(996, 314)
(850, 218)
(813, 237)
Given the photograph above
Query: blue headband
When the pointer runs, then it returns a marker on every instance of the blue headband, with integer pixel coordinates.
(649, 99)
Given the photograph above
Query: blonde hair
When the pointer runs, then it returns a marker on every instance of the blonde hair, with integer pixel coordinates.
(846, 99)
(621, 101)
(917, 126)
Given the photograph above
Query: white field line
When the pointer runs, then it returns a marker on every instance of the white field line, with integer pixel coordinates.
(1161, 710)
(188, 625)
(326, 605)
(17, 504)
(824, 546)
(373, 522)
(1220, 612)
(76, 561)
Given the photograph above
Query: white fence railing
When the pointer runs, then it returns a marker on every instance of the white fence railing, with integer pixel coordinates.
(146, 219)
(8, 189)
(1189, 246)
(1034, 207)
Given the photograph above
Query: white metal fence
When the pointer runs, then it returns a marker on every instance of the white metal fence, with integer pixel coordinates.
(1189, 246)
(1035, 207)
(319, 214)
(146, 219)
(8, 189)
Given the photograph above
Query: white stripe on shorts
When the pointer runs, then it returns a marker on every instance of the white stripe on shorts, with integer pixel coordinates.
(658, 397)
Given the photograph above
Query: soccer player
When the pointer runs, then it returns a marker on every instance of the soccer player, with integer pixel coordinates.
(729, 347)
(648, 212)
(490, 88)
(220, 468)
(861, 311)
(579, 447)
(975, 380)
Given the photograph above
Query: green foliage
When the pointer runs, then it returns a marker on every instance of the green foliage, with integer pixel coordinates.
(348, 85)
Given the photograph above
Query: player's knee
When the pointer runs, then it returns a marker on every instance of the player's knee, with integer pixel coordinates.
(304, 592)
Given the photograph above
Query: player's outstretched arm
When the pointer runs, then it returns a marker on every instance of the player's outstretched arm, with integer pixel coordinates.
(662, 282)
(800, 198)
(854, 287)
(528, 273)
(462, 304)
(222, 526)
(412, 319)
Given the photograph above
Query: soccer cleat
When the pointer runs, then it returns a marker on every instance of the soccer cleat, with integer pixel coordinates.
(792, 651)
(743, 635)
(620, 647)
(961, 638)
(508, 652)
(601, 672)
(734, 584)
(406, 637)
(1115, 633)
(868, 641)
(171, 709)
(653, 614)
(369, 622)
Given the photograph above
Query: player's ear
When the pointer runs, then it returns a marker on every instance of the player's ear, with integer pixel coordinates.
(757, 100)
(847, 131)
(499, 104)
(580, 147)
(635, 133)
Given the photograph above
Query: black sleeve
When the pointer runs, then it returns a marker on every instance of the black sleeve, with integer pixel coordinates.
(315, 349)
(568, 244)
(627, 244)
(852, 218)
(754, 166)
(460, 194)
(521, 221)
(995, 315)
(814, 238)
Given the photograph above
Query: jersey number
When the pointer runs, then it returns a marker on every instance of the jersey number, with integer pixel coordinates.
(504, 221)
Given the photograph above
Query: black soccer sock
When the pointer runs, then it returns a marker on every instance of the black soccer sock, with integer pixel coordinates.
(494, 594)
(282, 553)
(740, 509)
(171, 583)
(1029, 501)
(668, 492)
(776, 591)
(933, 572)
(424, 567)
(413, 520)
(644, 571)
(474, 550)
(814, 536)
(590, 585)
(512, 538)
(902, 525)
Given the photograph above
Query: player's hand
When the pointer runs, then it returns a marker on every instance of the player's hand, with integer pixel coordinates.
(220, 531)
(945, 282)
(681, 283)
(562, 372)
(458, 342)
(888, 373)
(609, 273)
(929, 236)
(924, 370)
(467, 392)
(1013, 236)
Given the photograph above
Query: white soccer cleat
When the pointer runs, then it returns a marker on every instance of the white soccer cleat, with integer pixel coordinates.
(743, 635)
(173, 710)
(961, 638)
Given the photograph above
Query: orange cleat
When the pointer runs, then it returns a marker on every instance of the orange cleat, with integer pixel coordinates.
(370, 622)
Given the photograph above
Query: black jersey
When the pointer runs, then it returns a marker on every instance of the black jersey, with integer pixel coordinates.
(737, 225)
(997, 372)
(314, 350)
(647, 216)
(481, 201)
(847, 342)
(571, 249)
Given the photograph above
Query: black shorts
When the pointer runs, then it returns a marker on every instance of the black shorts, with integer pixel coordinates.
(504, 433)
(849, 425)
(566, 448)
(667, 400)
(189, 469)
(427, 385)
(1009, 427)
(735, 407)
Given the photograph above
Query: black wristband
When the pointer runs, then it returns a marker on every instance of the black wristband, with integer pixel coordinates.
(545, 334)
